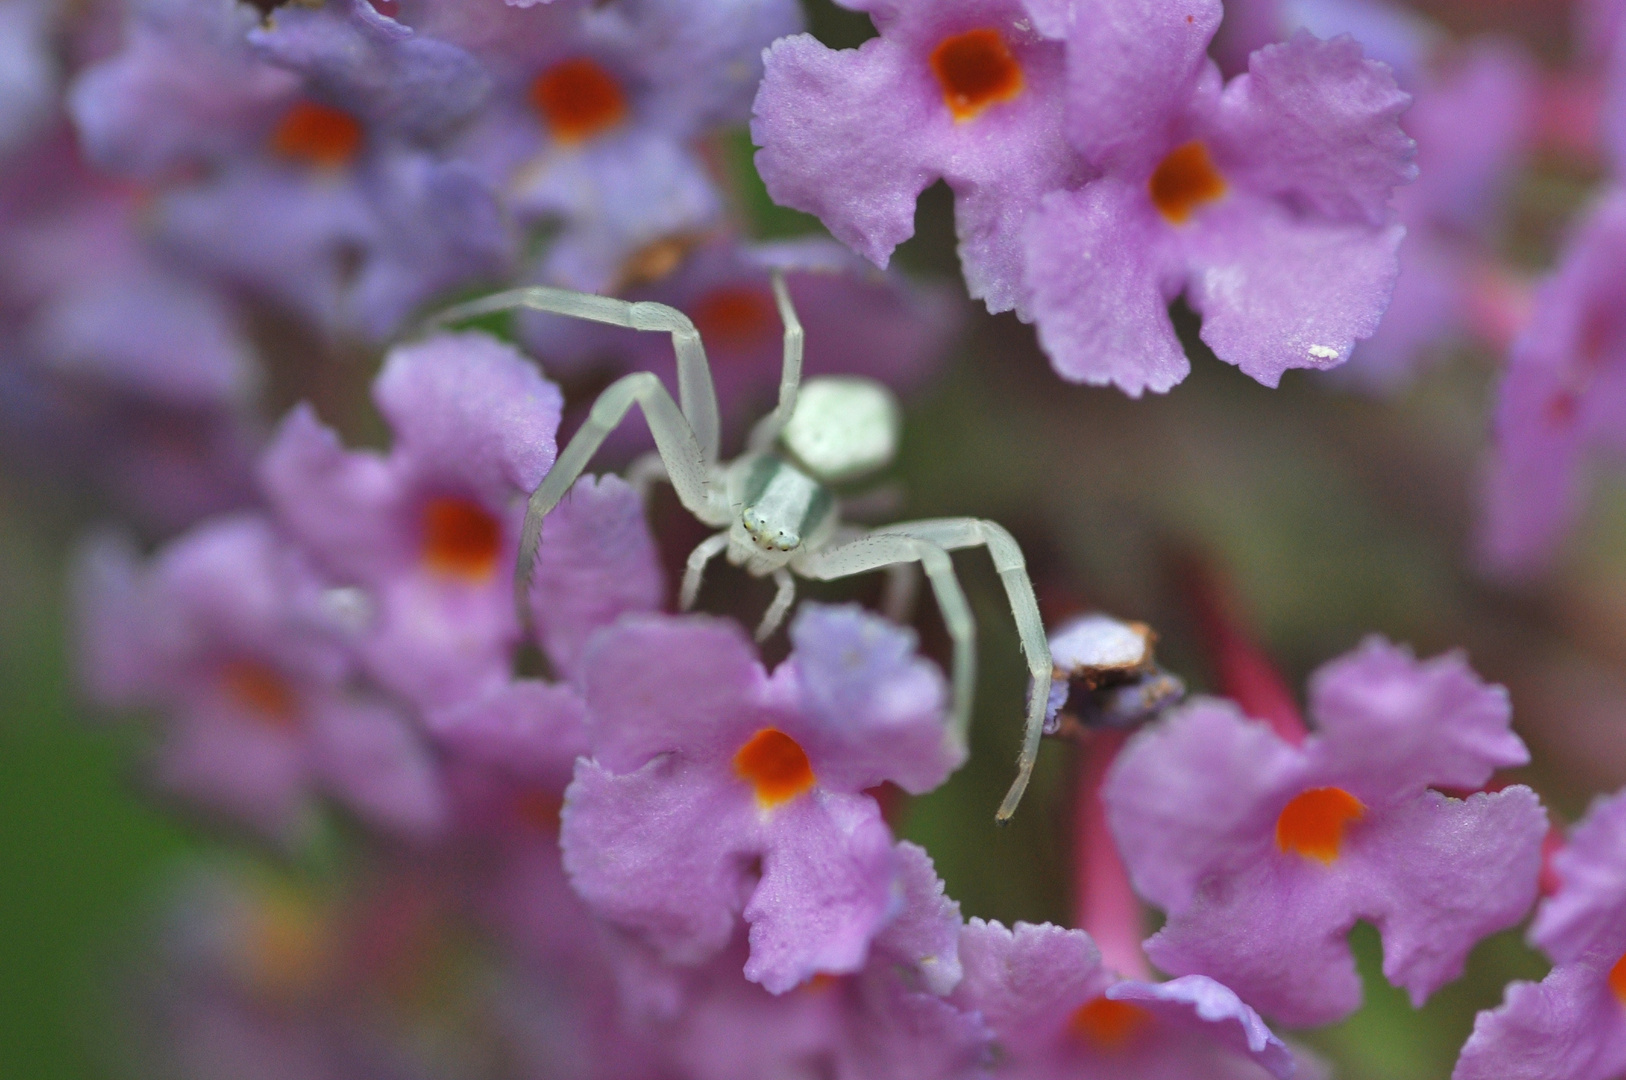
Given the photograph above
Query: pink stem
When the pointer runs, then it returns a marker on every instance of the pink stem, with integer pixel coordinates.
(1498, 305)
(1242, 671)
(1105, 905)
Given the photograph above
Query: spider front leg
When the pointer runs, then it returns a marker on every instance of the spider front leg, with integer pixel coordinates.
(875, 551)
(686, 439)
(784, 596)
(952, 534)
(674, 440)
(790, 372)
(695, 389)
(695, 570)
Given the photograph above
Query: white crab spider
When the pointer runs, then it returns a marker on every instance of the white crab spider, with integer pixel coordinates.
(773, 505)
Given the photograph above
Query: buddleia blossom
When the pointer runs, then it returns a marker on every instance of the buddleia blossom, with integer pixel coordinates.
(225, 634)
(1396, 35)
(889, 1019)
(1127, 175)
(111, 342)
(1472, 121)
(425, 536)
(1471, 115)
(967, 91)
(29, 71)
(509, 750)
(1563, 396)
(1057, 1011)
(594, 111)
(1265, 201)
(703, 764)
(317, 136)
(1572, 1023)
(596, 562)
(1264, 854)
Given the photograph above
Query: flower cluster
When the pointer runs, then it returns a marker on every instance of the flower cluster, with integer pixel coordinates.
(576, 833)
(1101, 168)
(204, 186)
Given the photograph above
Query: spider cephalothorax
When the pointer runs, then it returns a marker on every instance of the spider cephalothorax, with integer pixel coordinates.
(774, 508)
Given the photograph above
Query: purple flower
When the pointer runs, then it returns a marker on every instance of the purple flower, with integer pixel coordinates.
(596, 562)
(1564, 394)
(508, 756)
(426, 535)
(1265, 854)
(1471, 122)
(1395, 35)
(1266, 202)
(889, 1019)
(316, 140)
(857, 321)
(120, 366)
(716, 790)
(967, 91)
(184, 90)
(595, 110)
(510, 752)
(200, 82)
(1573, 1023)
(1470, 117)
(94, 301)
(226, 633)
(29, 74)
(1056, 1011)
(1600, 33)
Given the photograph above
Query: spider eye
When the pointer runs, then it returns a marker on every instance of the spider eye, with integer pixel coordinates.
(774, 537)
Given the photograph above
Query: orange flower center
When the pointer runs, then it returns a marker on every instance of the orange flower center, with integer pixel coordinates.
(317, 134)
(460, 538)
(1108, 1023)
(976, 70)
(735, 316)
(261, 690)
(1617, 979)
(1185, 180)
(1313, 823)
(284, 949)
(578, 99)
(775, 766)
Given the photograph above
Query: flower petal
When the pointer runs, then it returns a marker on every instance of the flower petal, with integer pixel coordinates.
(877, 707)
(1318, 123)
(595, 563)
(1132, 67)
(1389, 725)
(1196, 795)
(1100, 276)
(1567, 1025)
(1201, 1005)
(658, 851)
(1277, 291)
(471, 408)
(826, 889)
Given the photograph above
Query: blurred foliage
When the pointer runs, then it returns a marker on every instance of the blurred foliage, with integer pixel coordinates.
(80, 851)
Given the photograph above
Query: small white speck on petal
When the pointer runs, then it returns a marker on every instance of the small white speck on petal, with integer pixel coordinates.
(1323, 352)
